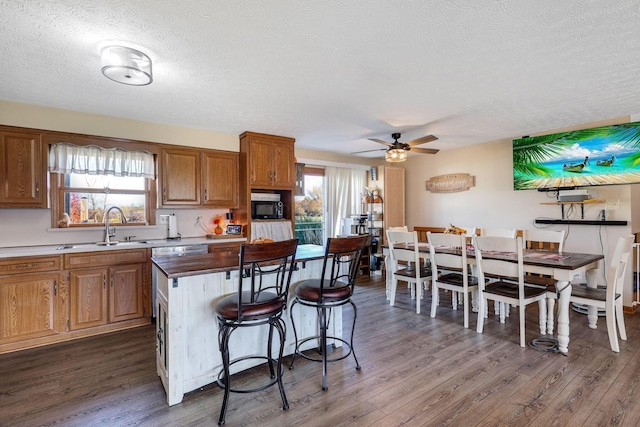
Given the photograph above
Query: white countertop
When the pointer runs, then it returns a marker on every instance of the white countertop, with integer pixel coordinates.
(63, 248)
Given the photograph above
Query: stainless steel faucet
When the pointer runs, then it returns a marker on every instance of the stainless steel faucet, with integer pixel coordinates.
(107, 234)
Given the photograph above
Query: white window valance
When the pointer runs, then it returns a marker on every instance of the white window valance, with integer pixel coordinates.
(93, 160)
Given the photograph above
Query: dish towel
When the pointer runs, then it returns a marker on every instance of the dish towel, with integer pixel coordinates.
(274, 230)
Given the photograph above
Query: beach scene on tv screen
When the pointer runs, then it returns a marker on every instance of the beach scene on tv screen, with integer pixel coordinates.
(606, 155)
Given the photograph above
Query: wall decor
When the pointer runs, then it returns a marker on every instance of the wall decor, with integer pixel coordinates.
(451, 183)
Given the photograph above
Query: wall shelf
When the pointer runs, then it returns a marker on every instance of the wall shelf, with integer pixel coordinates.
(582, 203)
(579, 222)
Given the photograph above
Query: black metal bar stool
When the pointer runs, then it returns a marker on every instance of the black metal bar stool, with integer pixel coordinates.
(334, 288)
(264, 279)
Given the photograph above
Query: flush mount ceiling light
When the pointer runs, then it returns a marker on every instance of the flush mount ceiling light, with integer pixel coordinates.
(125, 65)
(395, 155)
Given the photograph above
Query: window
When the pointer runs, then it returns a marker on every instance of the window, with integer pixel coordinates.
(87, 180)
(309, 214)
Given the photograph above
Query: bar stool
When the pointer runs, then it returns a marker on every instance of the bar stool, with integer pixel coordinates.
(333, 289)
(264, 279)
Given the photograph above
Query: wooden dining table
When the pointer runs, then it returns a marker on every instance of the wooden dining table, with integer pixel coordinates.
(563, 267)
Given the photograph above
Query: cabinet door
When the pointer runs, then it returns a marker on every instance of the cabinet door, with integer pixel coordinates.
(28, 307)
(88, 296)
(220, 180)
(125, 292)
(283, 164)
(260, 164)
(180, 177)
(22, 172)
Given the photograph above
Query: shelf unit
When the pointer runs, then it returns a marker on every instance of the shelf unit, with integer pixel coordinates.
(581, 221)
(582, 203)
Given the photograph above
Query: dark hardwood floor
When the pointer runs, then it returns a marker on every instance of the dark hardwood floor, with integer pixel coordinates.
(415, 371)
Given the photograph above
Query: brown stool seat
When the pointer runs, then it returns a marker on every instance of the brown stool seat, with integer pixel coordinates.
(267, 304)
(309, 290)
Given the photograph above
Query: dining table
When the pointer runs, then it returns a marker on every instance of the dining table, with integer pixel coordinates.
(563, 267)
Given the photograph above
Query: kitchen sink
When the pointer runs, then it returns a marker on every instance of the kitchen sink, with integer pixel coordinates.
(102, 244)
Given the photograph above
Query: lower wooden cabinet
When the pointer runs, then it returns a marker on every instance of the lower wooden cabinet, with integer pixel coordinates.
(30, 307)
(49, 299)
(105, 295)
(126, 293)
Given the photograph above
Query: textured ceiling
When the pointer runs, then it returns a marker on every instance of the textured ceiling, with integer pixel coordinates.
(333, 73)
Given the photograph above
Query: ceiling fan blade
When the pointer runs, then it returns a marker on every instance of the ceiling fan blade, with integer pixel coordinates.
(424, 150)
(379, 141)
(423, 140)
(369, 151)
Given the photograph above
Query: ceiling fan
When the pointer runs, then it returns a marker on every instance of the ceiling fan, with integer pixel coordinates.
(397, 151)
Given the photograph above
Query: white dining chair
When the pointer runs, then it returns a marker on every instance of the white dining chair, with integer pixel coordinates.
(499, 308)
(505, 291)
(609, 296)
(499, 232)
(414, 272)
(552, 241)
(459, 281)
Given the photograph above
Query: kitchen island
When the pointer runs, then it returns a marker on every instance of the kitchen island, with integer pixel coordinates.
(187, 353)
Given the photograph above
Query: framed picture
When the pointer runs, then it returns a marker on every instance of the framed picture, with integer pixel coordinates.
(234, 229)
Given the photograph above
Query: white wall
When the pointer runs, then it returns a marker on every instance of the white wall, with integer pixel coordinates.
(493, 202)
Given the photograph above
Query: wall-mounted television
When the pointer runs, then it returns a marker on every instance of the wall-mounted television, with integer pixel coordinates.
(605, 155)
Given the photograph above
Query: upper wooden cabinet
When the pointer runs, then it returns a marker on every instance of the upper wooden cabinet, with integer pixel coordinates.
(220, 179)
(23, 179)
(196, 178)
(270, 160)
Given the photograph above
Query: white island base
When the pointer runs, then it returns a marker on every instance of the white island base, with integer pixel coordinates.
(187, 350)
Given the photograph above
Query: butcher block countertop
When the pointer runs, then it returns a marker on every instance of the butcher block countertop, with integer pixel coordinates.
(192, 265)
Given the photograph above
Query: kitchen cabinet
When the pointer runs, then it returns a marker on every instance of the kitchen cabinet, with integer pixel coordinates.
(270, 160)
(220, 179)
(108, 287)
(196, 178)
(267, 165)
(32, 299)
(106, 295)
(23, 175)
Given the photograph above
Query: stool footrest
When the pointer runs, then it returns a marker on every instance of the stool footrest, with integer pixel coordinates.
(274, 380)
(335, 359)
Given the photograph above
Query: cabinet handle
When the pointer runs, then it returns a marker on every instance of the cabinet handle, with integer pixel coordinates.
(27, 265)
(104, 281)
(37, 189)
(206, 197)
(111, 280)
(164, 194)
(55, 288)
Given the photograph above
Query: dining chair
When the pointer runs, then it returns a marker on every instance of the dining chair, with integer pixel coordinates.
(609, 296)
(265, 272)
(499, 232)
(552, 241)
(334, 288)
(458, 281)
(509, 287)
(422, 232)
(499, 308)
(413, 271)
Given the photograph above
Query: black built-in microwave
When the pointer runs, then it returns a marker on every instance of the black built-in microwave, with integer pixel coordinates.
(266, 209)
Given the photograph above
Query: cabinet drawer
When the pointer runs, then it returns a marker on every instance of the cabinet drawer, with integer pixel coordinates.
(106, 258)
(229, 250)
(29, 265)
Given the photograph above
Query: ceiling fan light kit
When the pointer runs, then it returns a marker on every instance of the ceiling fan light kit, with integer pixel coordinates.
(398, 151)
(395, 155)
(126, 65)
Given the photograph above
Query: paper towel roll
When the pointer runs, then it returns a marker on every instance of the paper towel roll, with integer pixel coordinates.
(173, 227)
